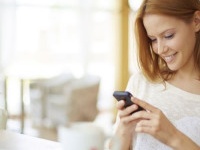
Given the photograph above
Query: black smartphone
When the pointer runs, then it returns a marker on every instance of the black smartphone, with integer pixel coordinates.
(126, 96)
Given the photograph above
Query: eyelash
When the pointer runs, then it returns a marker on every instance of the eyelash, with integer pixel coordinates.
(169, 36)
(166, 37)
(153, 40)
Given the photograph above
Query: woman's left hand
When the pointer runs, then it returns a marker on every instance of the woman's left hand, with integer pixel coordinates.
(154, 122)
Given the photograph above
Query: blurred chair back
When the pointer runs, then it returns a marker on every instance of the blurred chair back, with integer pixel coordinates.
(78, 101)
(84, 98)
(3, 118)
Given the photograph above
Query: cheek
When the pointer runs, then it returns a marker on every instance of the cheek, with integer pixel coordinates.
(175, 44)
(178, 43)
(184, 44)
(186, 41)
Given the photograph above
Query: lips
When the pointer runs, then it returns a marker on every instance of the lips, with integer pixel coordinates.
(169, 58)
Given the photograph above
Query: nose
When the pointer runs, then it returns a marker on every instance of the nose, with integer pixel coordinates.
(160, 47)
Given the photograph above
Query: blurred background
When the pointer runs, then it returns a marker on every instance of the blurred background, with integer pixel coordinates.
(61, 60)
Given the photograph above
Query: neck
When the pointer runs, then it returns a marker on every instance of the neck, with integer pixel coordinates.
(187, 80)
(189, 74)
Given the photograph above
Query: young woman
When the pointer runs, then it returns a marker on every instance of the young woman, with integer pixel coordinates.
(168, 86)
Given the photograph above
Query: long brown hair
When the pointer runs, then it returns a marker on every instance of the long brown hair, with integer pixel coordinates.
(153, 67)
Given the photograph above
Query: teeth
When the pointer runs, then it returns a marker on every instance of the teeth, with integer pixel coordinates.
(169, 58)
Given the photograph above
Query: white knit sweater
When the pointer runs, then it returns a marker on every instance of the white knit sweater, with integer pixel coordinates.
(180, 107)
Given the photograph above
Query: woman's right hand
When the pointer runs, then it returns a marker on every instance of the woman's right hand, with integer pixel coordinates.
(126, 127)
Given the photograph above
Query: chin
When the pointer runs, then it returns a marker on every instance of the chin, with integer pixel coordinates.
(173, 68)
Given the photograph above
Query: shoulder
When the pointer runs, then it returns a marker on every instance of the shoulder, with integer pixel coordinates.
(140, 86)
(137, 77)
(136, 80)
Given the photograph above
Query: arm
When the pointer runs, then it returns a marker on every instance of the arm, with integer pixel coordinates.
(125, 126)
(125, 142)
(155, 123)
(125, 139)
(182, 142)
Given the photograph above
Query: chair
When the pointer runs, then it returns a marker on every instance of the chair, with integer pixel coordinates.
(3, 118)
(78, 101)
(39, 91)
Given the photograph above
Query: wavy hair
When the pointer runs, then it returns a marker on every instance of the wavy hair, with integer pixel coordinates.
(152, 66)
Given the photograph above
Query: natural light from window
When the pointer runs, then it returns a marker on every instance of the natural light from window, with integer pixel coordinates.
(77, 36)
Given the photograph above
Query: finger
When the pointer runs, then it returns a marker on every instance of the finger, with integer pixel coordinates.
(128, 119)
(120, 104)
(143, 129)
(127, 111)
(144, 105)
(142, 115)
(144, 123)
(146, 127)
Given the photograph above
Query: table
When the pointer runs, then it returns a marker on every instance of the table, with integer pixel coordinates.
(15, 141)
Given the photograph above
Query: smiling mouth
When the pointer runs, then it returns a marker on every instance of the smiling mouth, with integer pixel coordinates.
(169, 58)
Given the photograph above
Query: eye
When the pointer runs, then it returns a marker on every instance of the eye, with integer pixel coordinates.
(169, 36)
(153, 40)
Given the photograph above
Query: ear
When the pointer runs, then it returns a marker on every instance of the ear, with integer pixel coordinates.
(197, 21)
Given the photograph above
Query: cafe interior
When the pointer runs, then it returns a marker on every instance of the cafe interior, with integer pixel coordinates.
(61, 61)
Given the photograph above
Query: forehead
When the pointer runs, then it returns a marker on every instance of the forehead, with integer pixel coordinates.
(156, 23)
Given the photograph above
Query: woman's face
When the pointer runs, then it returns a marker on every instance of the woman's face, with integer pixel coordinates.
(172, 39)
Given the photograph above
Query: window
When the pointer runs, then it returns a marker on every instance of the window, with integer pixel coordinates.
(78, 36)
